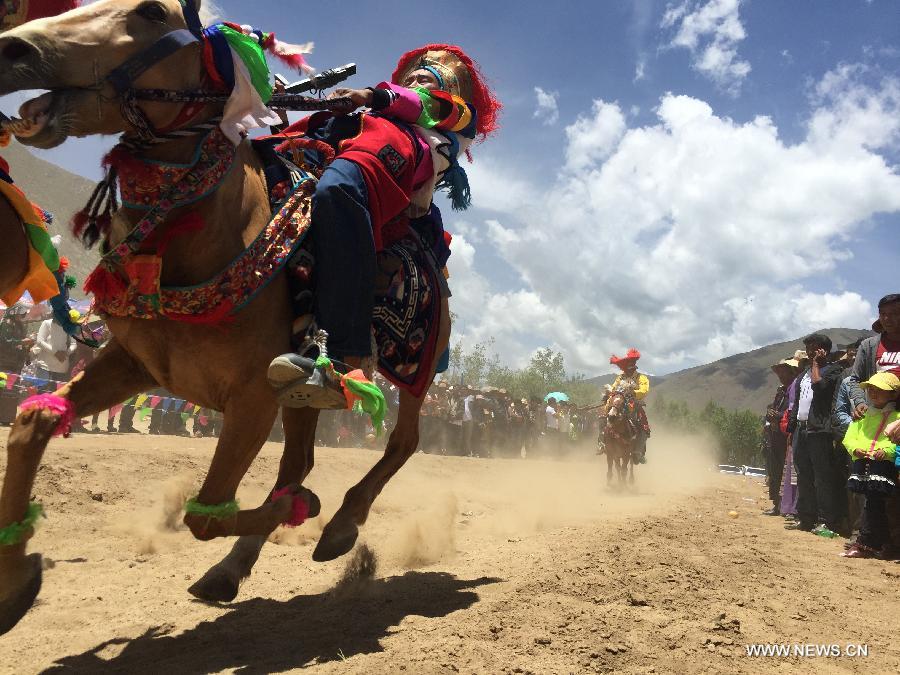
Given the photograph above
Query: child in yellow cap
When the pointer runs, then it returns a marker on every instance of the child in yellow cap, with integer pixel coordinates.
(874, 471)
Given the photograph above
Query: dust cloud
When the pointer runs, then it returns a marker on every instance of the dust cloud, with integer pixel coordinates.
(432, 501)
(425, 508)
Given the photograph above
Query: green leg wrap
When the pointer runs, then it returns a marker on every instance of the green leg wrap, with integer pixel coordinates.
(14, 533)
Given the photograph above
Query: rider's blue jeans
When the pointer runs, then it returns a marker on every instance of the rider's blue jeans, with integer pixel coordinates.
(344, 250)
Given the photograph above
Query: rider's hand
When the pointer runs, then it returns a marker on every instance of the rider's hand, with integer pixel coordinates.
(360, 97)
(878, 455)
(859, 453)
(281, 112)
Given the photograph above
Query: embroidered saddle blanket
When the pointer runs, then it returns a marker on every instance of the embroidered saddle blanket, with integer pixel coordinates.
(408, 289)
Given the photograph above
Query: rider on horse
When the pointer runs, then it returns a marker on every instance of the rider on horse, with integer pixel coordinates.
(382, 167)
(636, 386)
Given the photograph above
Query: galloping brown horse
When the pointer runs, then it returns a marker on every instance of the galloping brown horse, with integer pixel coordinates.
(619, 438)
(221, 367)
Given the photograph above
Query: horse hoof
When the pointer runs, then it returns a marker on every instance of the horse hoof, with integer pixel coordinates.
(314, 503)
(217, 585)
(16, 605)
(336, 540)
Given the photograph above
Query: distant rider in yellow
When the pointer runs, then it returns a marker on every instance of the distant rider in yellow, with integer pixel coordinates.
(632, 383)
(630, 380)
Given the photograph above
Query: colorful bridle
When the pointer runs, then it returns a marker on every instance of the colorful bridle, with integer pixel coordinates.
(122, 80)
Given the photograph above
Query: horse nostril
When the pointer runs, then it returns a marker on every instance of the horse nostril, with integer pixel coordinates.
(15, 50)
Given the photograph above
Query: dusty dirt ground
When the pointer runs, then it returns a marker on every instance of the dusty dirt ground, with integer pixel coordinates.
(484, 566)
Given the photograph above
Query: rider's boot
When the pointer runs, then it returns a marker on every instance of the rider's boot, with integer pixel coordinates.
(300, 382)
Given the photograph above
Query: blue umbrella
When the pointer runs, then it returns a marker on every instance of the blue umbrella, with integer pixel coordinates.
(558, 395)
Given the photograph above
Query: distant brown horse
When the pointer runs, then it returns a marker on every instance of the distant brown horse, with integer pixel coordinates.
(619, 437)
(221, 367)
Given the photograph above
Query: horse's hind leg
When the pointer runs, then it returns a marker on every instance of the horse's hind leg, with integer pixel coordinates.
(341, 532)
(222, 580)
(111, 378)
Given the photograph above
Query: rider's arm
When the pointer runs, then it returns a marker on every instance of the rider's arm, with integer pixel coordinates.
(441, 111)
(643, 387)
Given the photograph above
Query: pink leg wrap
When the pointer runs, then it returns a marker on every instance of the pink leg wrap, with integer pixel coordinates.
(299, 511)
(56, 405)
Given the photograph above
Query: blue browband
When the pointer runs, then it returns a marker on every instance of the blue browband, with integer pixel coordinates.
(122, 78)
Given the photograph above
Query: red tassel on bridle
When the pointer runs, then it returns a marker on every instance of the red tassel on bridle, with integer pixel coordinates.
(104, 284)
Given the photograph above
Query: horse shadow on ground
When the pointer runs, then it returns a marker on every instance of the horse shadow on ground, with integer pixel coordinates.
(264, 636)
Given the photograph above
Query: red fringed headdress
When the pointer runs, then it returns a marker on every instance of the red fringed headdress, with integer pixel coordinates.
(629, 359)
(466, 80)
(16, 12)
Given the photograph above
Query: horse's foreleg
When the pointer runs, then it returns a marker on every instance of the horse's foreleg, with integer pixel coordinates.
(14, 255)
(111, 378)
(240, 441)
(221, 582)
(610, 460)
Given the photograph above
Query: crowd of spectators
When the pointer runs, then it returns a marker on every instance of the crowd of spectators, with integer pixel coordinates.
(455, 419)
(39, 356)
(831, 438)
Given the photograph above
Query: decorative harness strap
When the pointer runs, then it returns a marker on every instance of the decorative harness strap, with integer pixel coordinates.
(209, 170)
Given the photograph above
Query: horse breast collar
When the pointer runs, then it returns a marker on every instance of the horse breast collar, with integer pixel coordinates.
(160, 188)
(216, 299)
(127, 281)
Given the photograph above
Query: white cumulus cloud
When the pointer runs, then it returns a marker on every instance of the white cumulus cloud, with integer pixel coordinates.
(591, 138)
(547, 109)
(712, 31)
(693, 238)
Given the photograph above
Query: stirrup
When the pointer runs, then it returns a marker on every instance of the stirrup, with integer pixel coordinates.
(300, 384)
(288, 368)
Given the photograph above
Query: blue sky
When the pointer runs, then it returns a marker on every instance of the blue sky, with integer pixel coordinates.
(703, 177)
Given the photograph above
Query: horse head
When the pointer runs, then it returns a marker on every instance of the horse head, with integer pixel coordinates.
(615, 407)
(91, 57)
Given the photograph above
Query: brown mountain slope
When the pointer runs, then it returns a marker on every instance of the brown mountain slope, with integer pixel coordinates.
(61, 193)
(741, 382)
